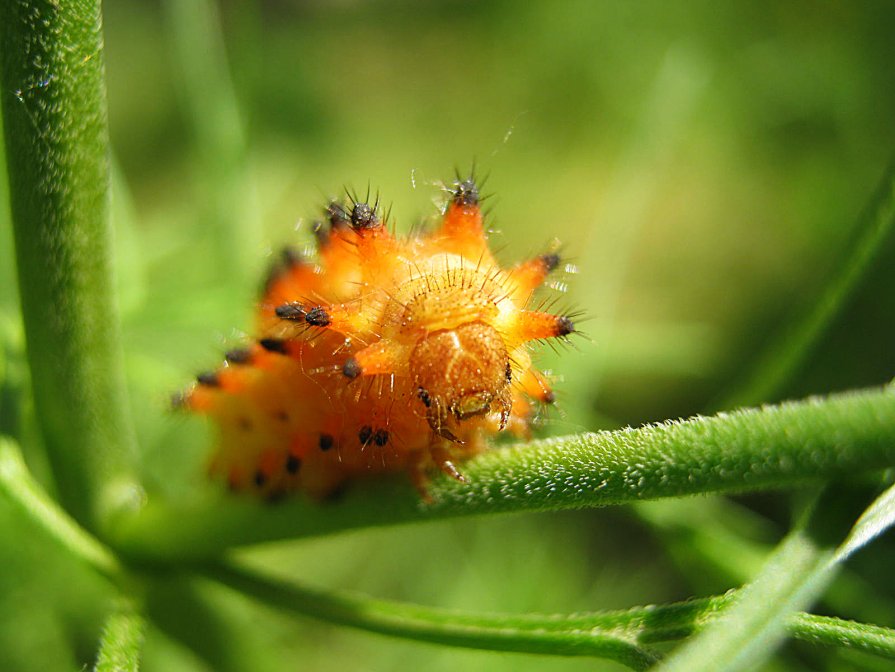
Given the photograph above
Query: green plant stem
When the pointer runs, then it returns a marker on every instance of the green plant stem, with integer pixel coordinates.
(54, 113)
(872, 639)
(122, 641)
(617, 635)
(436, 626)
(18, 486)
(783, 359)
(773, 447)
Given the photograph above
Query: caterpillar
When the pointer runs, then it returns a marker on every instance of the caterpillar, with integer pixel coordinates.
(385, 354)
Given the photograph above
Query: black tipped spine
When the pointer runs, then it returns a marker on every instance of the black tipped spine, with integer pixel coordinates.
(209, 379)
(318, 317)
(466, 193)
(293, 464)
(550, 261)
(238, 356)
(564, 326)
(274, 345)
(291, 257)
(363, 217)
(337, 216)
(365, 434)
(351, 369)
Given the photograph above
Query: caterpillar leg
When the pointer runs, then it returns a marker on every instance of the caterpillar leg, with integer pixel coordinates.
(440, 455)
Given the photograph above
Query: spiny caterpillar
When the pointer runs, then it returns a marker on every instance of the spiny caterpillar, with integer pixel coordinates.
(387, 354)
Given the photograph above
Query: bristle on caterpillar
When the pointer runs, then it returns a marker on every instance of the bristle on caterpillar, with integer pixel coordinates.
(382, 355)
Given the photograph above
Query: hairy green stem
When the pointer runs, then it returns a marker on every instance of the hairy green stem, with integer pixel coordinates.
(121, 644)
(773, 447)
(54, 114)
(616, 635)
(492, 633)
(872, 639)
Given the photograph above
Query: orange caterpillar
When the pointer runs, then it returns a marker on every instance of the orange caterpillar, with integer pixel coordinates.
(386, 355)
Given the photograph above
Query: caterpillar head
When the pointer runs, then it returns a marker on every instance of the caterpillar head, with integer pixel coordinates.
(461, 373)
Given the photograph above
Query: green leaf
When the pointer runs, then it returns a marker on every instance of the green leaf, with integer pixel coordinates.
(121, 644)
(796, 574)
(775, 446)
(744, 634)
(878, 518)
(56, 134)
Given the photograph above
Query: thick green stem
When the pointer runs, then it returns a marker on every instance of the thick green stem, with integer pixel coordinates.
(54, 112)
(773, 447)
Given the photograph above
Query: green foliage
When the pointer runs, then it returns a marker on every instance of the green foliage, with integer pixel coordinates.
(159, 567)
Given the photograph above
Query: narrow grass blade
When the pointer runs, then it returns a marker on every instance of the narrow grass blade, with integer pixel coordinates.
(876, 232)
(797, 573)
(752, 627)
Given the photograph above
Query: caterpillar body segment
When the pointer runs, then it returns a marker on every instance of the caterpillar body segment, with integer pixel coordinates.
(383, 354)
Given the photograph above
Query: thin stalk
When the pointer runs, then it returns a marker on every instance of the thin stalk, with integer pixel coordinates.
(54, 112)
(617, 635)
(436, 626)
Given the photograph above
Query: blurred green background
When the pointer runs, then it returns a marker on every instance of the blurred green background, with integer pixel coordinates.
(703, 164)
